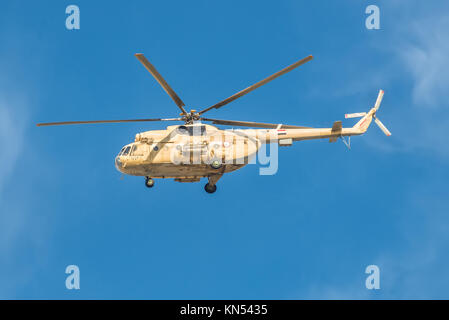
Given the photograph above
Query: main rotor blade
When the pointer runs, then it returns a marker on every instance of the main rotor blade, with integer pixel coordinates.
(252, 124)
(382, 127)
(102, 121)
(161, 81)
(258, 84)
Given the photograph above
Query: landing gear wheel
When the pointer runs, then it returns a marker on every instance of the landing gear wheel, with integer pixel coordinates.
(215, 164)
(149, 182)
(210, 188)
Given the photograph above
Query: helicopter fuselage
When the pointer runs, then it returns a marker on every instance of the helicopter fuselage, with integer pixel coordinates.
(189, 152)
(186, 153)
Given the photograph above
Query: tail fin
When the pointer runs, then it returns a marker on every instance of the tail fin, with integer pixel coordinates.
(365, 122)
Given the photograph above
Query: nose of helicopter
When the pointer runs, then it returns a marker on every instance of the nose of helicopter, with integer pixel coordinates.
(118, 163)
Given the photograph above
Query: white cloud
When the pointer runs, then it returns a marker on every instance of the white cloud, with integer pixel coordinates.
(22, 231)
(12, 124)
(11, 136)
(425, 56)
(421, 45)
(13, 219)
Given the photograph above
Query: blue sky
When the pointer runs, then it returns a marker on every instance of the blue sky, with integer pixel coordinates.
(307, 232)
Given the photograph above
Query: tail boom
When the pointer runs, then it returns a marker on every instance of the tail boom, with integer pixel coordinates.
(337, 131)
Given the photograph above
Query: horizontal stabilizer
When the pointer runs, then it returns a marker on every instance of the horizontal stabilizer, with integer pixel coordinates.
(336, 127)
(336, 131)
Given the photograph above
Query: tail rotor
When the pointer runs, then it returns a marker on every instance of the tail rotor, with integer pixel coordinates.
(368, 116)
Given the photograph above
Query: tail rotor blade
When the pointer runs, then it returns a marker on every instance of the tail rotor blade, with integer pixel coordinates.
(355, 115)
(382, 127)
(379, 99)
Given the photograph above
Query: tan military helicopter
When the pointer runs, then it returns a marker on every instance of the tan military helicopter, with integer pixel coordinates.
(196, 150)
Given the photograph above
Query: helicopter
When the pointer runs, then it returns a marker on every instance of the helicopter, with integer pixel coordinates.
(195, 149)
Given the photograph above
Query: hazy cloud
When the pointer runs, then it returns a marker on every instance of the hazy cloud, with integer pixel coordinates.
(11, 135)
(426, 59)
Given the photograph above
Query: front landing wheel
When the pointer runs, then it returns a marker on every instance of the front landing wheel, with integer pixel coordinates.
(210, 188)
(149, 182)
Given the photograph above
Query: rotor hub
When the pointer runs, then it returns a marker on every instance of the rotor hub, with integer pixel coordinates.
(190, 117)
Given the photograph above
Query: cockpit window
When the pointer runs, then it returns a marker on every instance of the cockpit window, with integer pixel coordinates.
(125, 153)
(192, 130)
(134, 148)
(121, 151)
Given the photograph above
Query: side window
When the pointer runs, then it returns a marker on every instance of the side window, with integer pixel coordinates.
(197, 130)
(192, 130)
(183, 130)
(133, 149)
(125, 153)
(202, 130)
(139, 149)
